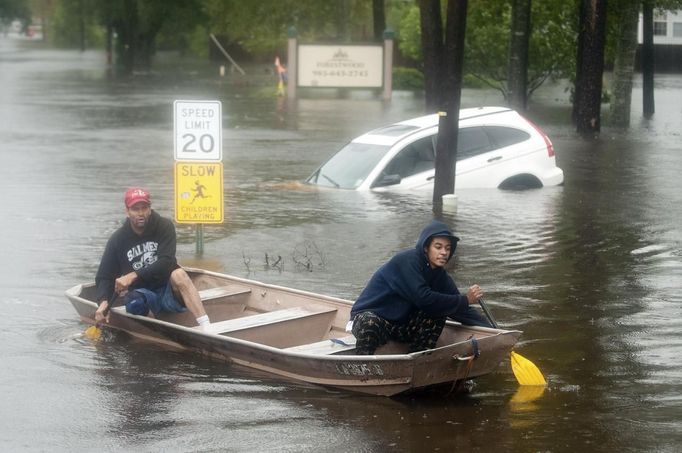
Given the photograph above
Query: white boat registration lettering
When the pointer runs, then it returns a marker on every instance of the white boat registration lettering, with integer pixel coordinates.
(359, 369)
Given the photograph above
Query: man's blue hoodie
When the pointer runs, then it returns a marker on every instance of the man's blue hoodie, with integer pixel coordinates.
(407, 283)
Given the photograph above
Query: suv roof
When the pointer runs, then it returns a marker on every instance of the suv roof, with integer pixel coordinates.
(388, 135)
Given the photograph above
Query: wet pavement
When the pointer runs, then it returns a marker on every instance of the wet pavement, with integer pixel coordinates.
(590, 271)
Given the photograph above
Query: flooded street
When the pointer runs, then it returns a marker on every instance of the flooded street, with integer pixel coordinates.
(591, 271)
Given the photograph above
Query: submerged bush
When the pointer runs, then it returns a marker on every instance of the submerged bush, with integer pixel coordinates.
(407, 79)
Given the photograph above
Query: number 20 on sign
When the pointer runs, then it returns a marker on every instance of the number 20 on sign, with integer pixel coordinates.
(198, 130)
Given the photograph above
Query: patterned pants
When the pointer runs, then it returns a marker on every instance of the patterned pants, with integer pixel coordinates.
(372, 331)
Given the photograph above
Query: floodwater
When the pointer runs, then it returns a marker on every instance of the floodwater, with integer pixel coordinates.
(590, 271)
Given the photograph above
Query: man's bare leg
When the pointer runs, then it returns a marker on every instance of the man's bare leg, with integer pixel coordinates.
(182, 284)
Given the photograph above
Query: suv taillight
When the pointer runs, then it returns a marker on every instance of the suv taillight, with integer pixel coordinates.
(548, 142)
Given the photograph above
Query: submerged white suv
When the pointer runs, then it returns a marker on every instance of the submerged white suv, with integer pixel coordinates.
(497, 148)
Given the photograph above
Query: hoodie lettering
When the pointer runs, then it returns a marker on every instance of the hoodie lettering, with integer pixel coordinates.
(143, 255)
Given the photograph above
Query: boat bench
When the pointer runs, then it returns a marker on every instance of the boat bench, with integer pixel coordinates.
(326, 347)
(211, 294)
(209, 297)
(219, 292)
(264, 319)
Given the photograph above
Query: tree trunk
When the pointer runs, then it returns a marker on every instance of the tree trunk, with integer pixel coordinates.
(591, 69)
(379, 17)
(432, 47)
(624, 65)
(517, 79)
(343, 20)
(109, 44)
(448, 124)
(146, 48)
(81, 25)
(127, 36)
(648, 58)
(578, 63)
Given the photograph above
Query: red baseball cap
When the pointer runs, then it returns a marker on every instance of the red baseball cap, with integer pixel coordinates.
(136, 195)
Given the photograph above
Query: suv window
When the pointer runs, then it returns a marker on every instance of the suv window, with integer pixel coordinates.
(472, 141)
(415, 158)
(506, 136)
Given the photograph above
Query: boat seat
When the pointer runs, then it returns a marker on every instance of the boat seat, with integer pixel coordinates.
(219, 292)
(325, 347)
(264, 319)
(210, 294)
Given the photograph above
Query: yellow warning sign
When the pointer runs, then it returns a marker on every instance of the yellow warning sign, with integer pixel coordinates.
(198, 192)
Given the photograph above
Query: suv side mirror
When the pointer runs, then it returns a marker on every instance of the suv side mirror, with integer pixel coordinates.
(387, 180)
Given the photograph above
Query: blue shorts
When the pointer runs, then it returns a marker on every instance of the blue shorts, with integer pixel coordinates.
(141, 301)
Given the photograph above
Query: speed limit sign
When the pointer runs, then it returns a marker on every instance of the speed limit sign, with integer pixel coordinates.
(198, 130)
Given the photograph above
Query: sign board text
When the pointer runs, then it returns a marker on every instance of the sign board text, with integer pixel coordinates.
(198, 192)
(197, 127)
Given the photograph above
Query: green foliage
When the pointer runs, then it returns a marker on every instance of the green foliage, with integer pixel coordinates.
(198, 41)
(552, 46)
(552, 42)
(410, 34)
(74, 24)
(14, 9)
(487, 41)
(471, 81)
(407, 79)
(261, 27)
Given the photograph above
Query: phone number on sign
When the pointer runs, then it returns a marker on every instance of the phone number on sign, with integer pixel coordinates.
(340, 73)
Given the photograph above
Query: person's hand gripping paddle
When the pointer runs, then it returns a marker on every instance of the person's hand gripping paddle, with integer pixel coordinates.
(94, 332)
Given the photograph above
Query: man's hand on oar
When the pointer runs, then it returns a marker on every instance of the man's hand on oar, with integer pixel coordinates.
(101, 316)
(102, 313)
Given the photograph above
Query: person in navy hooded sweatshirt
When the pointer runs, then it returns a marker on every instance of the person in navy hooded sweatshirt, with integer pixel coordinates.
(409, 298)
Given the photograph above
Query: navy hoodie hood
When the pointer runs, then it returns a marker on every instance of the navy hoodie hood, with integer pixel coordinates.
(437, 229)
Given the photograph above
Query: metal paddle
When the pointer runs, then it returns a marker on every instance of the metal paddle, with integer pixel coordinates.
(524, 370)
(94, 332)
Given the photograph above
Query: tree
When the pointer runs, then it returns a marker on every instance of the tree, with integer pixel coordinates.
(627, 16)
(590, 66)
(519, 39)
(648, 58)
(551, 46)
(14, 9)
(138, 23)
(261, 27)
(432, 50)
(74, 24)
(378, 19)
(648, 49)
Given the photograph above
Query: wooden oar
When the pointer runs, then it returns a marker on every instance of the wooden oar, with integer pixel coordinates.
(94, 332)
(524, 370)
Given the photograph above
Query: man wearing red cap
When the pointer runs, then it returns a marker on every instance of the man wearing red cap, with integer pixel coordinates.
(139, 260)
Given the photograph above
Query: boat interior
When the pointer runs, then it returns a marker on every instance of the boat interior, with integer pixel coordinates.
(295, 321)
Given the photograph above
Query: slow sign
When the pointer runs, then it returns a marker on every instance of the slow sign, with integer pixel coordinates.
(197, 129)
(199, 192)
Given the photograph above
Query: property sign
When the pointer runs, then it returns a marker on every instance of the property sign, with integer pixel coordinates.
(198, 130)
(198, 192)
(340, 66)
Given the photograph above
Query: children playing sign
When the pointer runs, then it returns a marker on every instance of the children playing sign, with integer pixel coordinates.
(199, 192)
